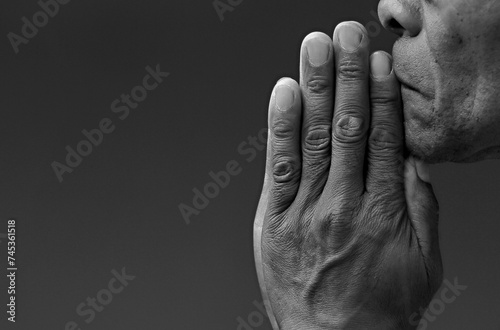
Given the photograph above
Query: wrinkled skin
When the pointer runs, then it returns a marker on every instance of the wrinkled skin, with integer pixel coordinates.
(346, 229)
(448, 61)
(346, 233)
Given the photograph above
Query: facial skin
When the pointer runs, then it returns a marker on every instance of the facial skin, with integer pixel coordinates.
(448, 61)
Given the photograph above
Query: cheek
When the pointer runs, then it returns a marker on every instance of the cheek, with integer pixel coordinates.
(458, 27)
(456, 39)
(453, 50)
(447, 36)
(473, 22)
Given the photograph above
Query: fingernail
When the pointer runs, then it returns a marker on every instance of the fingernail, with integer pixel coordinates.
(280, 80)
(317, 51)
(284, 97)
(380, 64)
(423, 170)
(350, 36)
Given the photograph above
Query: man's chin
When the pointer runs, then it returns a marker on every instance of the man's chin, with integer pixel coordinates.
(433, 150)
(425, 152)
(429, 145)
(434, 136)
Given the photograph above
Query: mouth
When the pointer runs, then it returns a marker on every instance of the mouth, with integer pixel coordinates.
(414, 99)
(407, 89)
(404, 83)
(404, 73)
(412, 88)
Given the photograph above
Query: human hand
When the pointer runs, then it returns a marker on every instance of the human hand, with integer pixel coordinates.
(346, 232)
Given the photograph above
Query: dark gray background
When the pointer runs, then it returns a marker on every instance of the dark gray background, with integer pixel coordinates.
(119, 208)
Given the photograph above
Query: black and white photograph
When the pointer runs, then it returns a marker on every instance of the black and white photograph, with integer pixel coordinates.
(250, 165)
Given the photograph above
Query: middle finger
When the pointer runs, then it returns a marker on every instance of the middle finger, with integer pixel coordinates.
(351, 112)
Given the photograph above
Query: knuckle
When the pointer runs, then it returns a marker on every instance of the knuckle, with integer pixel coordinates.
(350, 128)
(386, 169)
(386, 88)
(283, 129)
(351, 70)
(274, 233)
(318, 85)
(385, 98)
(383, 139)
(338, 224)
(317, 139)
(286, 170)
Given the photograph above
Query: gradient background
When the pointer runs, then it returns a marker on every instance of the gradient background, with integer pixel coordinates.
(119, 208)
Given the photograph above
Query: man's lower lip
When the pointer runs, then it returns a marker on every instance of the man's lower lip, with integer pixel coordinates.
(409, 95)
(412, 93)
(410, 89)
(414, 103)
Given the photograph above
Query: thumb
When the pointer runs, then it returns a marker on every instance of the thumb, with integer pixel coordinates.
(423, 208)
(420, 197)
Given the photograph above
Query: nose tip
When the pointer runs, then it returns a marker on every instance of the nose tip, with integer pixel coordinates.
(400, 17)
